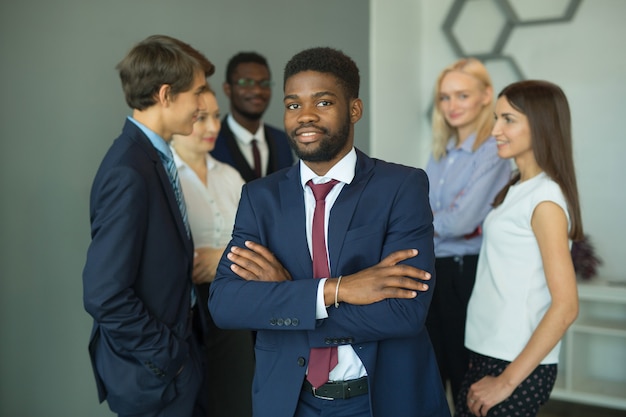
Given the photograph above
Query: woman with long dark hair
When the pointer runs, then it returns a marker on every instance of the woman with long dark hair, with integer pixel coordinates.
(525, 296)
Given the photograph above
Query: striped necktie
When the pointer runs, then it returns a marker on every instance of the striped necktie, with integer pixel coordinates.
(172, 173)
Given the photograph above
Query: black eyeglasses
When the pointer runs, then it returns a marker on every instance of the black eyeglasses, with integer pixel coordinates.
(249, 83)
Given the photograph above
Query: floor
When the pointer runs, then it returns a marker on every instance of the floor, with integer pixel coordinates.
(556, 408)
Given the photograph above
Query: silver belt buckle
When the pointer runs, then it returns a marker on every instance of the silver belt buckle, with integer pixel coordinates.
(321, 397)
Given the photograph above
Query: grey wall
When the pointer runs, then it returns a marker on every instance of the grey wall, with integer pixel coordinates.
(62, 106)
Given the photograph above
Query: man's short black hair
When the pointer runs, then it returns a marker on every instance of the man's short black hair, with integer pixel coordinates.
(326, 60)
(243, 58)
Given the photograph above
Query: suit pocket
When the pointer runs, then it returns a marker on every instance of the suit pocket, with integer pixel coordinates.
(131, 388)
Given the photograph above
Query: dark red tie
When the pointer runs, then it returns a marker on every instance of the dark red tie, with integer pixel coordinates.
(321, 360)
(257, 158)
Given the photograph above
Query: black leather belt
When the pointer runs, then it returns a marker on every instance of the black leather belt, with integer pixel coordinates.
(338, 390)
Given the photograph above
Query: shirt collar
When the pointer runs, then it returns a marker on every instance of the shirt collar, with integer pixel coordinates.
(157, 141)
(242, 134)
(342, 171)
(466, 146)
(210, 162)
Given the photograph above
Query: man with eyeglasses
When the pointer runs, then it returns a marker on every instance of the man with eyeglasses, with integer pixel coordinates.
(253, 148)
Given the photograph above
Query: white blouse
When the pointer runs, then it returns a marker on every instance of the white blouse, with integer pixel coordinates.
(212, 208)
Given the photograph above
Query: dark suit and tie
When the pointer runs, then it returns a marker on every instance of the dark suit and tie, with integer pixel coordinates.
(145, 340)
(383, 210)
(363, 296)
(227, 150)
(137, 282)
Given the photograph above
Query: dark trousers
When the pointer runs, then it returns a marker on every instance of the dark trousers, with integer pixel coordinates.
(229, 357)
(446, 317)
(525, 401)
(310, 406)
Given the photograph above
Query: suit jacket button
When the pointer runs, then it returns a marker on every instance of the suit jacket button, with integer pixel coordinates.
(280, 322)
(273, 321)
(287, 321)
(301, 361)
(328, 340)
(295, 322)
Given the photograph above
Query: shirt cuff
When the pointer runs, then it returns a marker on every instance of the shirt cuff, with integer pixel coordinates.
(320, 307)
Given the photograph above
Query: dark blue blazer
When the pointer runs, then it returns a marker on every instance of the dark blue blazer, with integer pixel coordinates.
(383, 210)
(136, 279)
(227, 150)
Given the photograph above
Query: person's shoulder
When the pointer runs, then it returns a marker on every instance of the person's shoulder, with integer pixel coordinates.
(548, 186)
(489, 148)
(226, 171)
(130, 144)
(273, 180)
(394, 168)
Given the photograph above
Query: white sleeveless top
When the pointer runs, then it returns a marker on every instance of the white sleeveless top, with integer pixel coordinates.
(511, 295)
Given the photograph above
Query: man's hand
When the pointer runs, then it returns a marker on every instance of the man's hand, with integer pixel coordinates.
(205, 264)
(257, 263)
(387, 279)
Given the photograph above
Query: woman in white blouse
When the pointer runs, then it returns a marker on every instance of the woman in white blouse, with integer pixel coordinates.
(212, 190)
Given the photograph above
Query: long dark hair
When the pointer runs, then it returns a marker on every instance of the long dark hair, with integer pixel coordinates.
(547, 110)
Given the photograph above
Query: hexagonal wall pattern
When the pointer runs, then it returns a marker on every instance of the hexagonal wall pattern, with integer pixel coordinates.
(539, 12)
(511, 13)
(459, 29)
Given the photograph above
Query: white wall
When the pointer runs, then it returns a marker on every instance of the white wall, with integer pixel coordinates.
(584, 56)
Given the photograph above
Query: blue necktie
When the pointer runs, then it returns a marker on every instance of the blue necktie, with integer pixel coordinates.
(172, 173)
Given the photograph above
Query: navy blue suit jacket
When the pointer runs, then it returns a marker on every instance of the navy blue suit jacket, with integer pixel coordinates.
(227, 150)
(136, 279)
(383, 210)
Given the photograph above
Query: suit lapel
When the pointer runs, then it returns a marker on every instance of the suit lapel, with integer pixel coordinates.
(294, 217)
(344, 208)
(241, 164)
(171, 199)
(152, 153)
(272, 163)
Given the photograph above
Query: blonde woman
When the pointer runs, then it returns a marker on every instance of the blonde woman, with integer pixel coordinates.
(212, 190)
(465, 175)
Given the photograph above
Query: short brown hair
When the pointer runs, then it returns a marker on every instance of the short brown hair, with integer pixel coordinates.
(159, 60)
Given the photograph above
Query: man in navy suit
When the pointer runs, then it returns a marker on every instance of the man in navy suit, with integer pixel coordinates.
(137, 278)
(373, 302)
(252, 147)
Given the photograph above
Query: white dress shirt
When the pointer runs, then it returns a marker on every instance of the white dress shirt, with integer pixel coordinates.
(349, 365)
(211, 209)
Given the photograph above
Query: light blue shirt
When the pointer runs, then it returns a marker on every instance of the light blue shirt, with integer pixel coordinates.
(463, 185)
(157, 141)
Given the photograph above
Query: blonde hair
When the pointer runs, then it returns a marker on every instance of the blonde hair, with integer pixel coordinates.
(442, 131)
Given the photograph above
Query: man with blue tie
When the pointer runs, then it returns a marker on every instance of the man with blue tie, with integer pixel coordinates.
(327, 263)
(137, 285)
